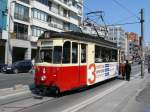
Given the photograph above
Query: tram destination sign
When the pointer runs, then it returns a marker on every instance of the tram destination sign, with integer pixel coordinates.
(46, 43)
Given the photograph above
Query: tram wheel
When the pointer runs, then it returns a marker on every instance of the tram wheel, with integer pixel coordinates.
(56, 91)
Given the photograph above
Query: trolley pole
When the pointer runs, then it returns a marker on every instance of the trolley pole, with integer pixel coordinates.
(142, 39)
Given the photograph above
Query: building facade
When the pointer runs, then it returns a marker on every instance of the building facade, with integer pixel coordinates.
(133, 50)
(3, 29)
(28, 19)
(95, 30)
(116, 34)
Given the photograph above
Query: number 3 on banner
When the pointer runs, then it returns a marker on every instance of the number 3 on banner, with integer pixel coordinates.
(92, 78)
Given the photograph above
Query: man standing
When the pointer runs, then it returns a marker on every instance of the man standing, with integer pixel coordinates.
(127, 70)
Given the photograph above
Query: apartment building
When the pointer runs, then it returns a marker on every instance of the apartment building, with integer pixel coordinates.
(133, 50)
(95, 30)
(3, 31)
(28, 19)
(116, 34)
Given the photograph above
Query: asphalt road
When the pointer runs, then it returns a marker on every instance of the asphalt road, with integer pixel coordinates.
(10, 80)
(112, 96)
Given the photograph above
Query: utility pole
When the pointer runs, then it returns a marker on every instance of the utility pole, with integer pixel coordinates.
(142, 39)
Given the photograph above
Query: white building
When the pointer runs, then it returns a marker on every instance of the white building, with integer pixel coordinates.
(94, 29)
(28, 19)
(116, 34)
(147, 48)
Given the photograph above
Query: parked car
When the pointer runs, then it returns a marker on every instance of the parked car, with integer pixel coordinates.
(19, 66)
(1, 66)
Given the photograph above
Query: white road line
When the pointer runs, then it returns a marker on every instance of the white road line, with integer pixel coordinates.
(93, 99)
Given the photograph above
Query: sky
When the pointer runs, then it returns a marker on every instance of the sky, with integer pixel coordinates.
(127, 12)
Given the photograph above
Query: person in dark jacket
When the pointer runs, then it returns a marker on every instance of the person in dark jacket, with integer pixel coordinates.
(127, 70)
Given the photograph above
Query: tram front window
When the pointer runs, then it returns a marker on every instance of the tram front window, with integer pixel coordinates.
(46, 55)
(51, 55)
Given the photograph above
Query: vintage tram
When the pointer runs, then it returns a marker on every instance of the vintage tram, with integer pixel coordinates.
(70, 60)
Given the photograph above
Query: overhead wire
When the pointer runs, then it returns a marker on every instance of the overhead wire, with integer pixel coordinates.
(121, 24)
(125, 8)
(124, 19)
(116, 23)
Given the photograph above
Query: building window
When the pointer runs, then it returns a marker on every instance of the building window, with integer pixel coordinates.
(21, 12)
(39, 15)
(21, 31)
(25, 1)
(66, 1)
(50, 5)
(37, 31)
(45, 2)
(74, 3)
(20, 28)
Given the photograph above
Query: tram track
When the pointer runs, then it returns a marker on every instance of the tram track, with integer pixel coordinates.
(29, 102)
(36, 100)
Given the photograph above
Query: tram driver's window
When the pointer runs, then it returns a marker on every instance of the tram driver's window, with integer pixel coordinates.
(57, 54)
(83, 53)
(66, 52)
(74, 52)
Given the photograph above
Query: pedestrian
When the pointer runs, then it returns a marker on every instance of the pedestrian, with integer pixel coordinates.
(127, 70)
(123, 70)
(120, 69)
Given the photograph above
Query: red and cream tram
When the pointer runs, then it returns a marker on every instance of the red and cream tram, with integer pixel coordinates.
(69, 60)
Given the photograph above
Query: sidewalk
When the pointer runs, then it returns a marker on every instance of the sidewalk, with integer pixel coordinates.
(141, 100)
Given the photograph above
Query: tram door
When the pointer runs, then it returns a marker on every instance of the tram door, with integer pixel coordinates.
(82, 64)
(70, 70)
(78, 60)
(74, 65)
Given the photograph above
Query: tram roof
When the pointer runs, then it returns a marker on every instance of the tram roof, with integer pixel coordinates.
(77, 36)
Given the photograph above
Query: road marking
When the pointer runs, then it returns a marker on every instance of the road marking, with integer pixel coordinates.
(93, 99)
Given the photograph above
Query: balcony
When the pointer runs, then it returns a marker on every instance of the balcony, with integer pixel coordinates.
(19, 36)
(21, 17)
(66, 5)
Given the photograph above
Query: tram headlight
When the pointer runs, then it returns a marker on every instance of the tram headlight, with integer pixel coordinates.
(43, 78)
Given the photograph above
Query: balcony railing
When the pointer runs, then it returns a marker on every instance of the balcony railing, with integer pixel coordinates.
(25, 1)
(19, 36)
(21, 17)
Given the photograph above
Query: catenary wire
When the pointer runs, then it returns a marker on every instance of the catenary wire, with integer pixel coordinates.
(125, 8)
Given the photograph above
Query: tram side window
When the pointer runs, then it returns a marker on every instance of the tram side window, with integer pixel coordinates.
(103, 55)
(98, 57)
(74, 52)
(66, 52)
(83, 53)
(57, 54)
(106, 54)
(114, 55)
